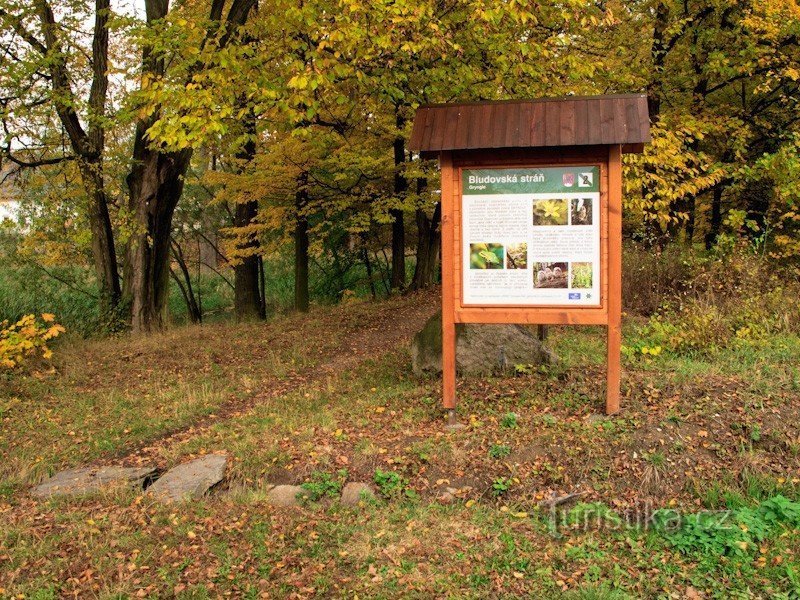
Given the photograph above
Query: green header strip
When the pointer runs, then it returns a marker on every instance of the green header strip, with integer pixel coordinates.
(530, 181)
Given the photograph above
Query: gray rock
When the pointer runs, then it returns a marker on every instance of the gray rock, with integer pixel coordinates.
(75, 482)
(191, 479)
(480, 349)
(284, 495)
(446, 497)
(354, 492)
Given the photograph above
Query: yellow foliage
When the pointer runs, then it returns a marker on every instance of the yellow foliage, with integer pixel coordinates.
(26, 338)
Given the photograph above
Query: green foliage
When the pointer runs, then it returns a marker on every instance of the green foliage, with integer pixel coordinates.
(486, 256)
(737, 532)
(499, 450)
(500, 486)
(509, 420)
(392, 485)
(581, 274)
(27, 289)
(324, 485)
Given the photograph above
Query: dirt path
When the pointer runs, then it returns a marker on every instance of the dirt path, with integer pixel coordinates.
(387, 326)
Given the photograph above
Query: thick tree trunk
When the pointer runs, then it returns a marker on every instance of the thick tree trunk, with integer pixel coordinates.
(155, 185)
(428, 246)
(247, 289)
(398, 224)
(301, 245)
(248, 303)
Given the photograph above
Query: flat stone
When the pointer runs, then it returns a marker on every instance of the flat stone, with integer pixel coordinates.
(355, 491)
(284, 495)
(86, 480)
(190, 480)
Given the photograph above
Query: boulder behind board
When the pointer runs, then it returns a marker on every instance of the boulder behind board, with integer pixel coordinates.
(480, 349)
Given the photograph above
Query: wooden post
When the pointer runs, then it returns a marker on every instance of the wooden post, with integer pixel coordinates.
(614, 299)
(448, 289)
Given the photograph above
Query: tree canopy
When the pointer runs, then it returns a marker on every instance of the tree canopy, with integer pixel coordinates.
(282, 125)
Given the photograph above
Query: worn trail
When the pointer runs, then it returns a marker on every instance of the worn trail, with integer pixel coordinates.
(390, 326)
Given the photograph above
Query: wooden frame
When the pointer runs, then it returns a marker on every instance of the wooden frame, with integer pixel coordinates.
(609, 159)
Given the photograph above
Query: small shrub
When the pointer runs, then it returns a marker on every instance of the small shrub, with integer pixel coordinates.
(500, 486)
(499, 451)
(323, 485)
(523, 369)
(27, 338)
(509, 421)
(392, 485)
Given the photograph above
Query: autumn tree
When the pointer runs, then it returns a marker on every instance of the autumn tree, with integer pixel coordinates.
(159, 165)
(722, 82)
(49, 70)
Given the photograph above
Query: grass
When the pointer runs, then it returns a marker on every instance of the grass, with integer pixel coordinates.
(696, 432)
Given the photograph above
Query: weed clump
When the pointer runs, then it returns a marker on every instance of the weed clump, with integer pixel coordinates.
(738, 297)
(321, 485)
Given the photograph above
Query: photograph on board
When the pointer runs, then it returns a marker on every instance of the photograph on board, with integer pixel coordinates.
(553, 211)
(550, 275)
(517, 256)
(581, 211)
(486, 256)
(581, 274)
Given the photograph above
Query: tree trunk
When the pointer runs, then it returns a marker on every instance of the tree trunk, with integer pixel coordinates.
(103, 249)
(428, 246)
(758, 197)
(715, 226)
(247, 292)
(248, 303)
(368, 265)
(659, 49)
(398, 225)
(87, 144)
(262, 287)
(301, 245)
(691, 208)
(192, 305)
(155, 184)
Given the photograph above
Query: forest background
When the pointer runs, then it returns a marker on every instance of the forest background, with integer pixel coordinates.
(173, 163)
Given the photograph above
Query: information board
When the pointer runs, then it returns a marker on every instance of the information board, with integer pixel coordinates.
(531, 236)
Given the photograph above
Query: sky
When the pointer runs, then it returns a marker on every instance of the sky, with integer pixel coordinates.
(7, 210)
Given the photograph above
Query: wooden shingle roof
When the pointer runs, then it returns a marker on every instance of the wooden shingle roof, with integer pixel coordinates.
(571, 121)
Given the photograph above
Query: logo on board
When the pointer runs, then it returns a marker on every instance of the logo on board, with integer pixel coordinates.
(568, 179)
(585, 179)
